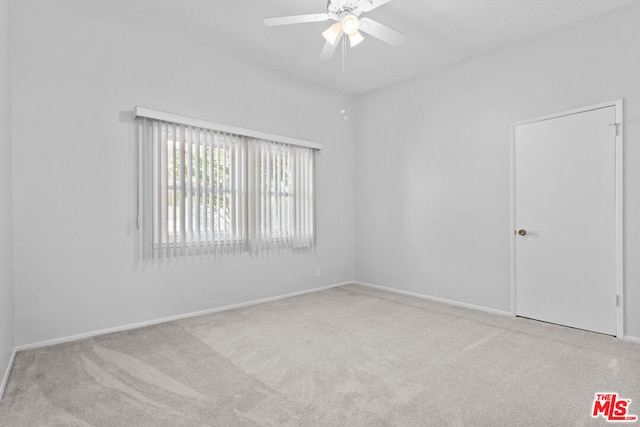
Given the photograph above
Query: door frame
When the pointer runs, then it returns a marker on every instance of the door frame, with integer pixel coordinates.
(619, 201)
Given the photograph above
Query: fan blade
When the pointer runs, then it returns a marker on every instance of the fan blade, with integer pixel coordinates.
(382, 32)
(295, 19)
(373, 4)
(329, 49)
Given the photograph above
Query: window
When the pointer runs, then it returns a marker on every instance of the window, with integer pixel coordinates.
(208, 191)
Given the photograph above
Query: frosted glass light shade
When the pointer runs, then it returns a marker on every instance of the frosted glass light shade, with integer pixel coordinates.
(332, 33)
(355, 38)
(350, 24)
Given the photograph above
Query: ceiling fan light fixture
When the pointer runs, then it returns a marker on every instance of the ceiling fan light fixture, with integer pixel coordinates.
(348, 18)
(355, 38)
(350, 24)
(332, 33)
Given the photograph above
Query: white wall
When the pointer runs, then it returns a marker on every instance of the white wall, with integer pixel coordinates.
(432, 171)
(431, 179)
(6, 263)
(78, 69)
(6, 259)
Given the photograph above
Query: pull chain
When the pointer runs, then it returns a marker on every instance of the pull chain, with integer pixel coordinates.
(343, 111)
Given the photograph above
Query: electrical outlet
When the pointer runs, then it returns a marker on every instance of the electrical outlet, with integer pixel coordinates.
(318, 272)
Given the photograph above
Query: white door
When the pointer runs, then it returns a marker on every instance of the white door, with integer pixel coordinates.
(565, 202)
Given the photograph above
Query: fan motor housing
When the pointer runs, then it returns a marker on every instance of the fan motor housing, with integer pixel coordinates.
(338, 8)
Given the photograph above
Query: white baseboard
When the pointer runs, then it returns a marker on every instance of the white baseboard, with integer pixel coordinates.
(170, 318)
(5, 378)
(46, 343)
(459, 304)
(436, 299)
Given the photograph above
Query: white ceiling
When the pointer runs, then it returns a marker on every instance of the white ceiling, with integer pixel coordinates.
(439, 32)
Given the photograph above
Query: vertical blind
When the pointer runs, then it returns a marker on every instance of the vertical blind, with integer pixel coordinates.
(281, 195)
(206, 191)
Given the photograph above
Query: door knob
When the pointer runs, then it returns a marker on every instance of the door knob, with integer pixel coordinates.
(522, 232)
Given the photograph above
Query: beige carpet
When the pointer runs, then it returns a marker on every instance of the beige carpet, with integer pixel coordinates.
(348, 356)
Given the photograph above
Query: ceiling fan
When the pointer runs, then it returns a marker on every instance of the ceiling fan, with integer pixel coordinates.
(346, 13)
